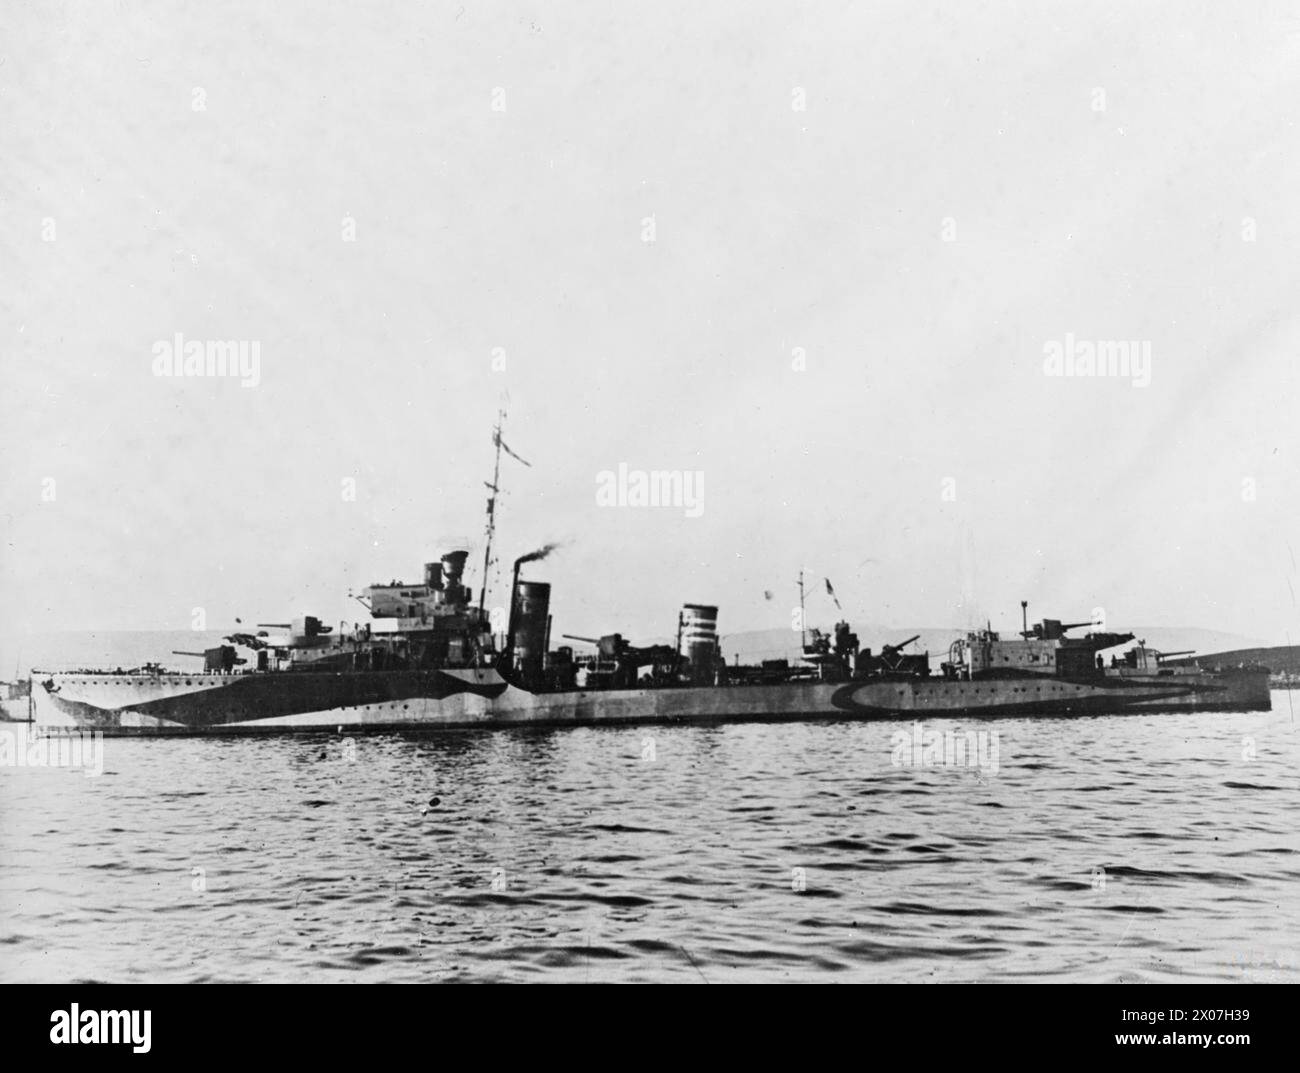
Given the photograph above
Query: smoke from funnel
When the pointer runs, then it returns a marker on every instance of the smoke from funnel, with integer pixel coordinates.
(534, 556)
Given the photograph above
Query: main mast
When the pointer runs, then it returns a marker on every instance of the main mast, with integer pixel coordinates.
(494, 488)
(803, 632)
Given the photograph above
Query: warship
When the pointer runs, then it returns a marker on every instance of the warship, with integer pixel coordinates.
(429, 657)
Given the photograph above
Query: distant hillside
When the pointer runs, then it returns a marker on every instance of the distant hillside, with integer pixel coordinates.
(131, 648)
(753, 646)
(756, 645)
(1279, 658)
(103, 649)
(1183, 638)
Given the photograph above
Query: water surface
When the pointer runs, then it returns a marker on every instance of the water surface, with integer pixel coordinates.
(1137, 848)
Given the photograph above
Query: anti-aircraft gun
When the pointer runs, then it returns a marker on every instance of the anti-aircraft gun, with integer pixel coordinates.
(893, 661)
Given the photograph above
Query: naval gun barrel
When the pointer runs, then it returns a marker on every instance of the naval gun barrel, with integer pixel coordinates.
(1074, 625)
(178, 652)
(1171, 655)
(575, 637)
(900, 647)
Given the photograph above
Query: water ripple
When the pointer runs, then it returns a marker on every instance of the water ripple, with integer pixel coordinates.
(1134, 848)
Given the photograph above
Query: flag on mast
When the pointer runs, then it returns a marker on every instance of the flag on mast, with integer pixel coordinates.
(831, 593)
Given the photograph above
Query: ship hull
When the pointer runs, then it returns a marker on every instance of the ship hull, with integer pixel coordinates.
(172, 704)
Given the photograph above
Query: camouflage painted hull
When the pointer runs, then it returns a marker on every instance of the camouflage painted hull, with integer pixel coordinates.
(177, 704)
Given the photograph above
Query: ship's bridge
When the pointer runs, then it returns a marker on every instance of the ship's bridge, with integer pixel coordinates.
(441, 595)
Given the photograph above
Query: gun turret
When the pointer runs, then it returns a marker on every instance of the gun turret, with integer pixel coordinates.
(610, 646)
(305, 632)
(1052, 629)
(616, 662)
(218, 660)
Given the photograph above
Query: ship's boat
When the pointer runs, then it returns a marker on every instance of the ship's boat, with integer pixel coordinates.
(430, 657)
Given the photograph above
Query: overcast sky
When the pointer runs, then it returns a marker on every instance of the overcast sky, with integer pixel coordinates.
(870, 222)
